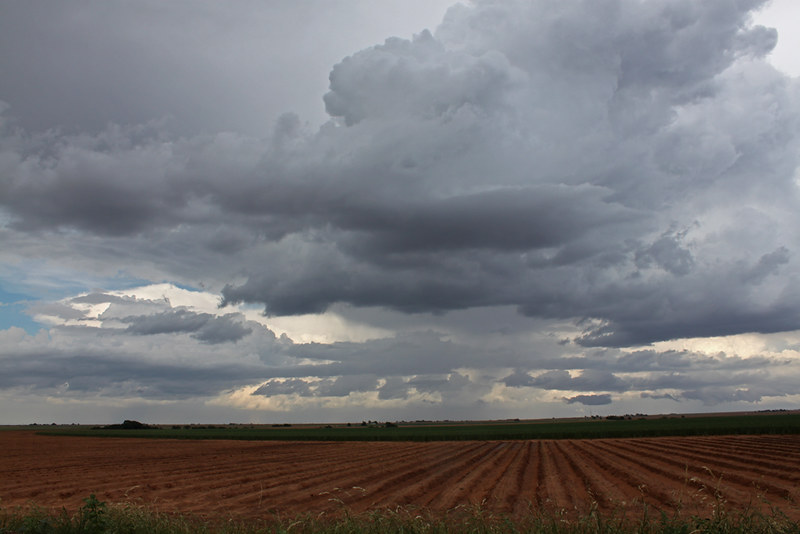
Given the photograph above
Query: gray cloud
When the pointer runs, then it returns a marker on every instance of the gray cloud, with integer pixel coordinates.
(667, 254)
(678, 361)
(166, 322)
(520, 173)
(677, 376)
(713, 396)
(394, 388)
(587, 380)
(662, 396)
(203, 65)
(290, 386)
(589, 400)
(204, 327)
(587, 249)
(55, 309)
(615, 172)
(768, 264)
(402, 354)
(148, 358)
(98, 297)
(122, 375)
(134, 348)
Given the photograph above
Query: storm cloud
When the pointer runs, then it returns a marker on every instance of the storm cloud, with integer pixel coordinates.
(616, 173)
(203, 326)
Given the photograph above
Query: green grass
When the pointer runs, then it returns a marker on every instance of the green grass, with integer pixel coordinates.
(581, 429)
(96, 517)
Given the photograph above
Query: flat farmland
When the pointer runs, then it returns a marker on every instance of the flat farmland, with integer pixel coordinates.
(251, 479)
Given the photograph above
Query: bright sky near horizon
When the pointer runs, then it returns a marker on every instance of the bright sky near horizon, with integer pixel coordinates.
(492, 210)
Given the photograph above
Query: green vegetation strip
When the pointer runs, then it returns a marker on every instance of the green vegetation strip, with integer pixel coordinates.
(97, 517)
(583, 429)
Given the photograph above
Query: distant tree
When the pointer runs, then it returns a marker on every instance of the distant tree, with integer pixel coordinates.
(128, 424)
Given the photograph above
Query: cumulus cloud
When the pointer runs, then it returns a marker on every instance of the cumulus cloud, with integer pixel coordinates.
(713, 379)
(566, 182)
(103, 351)
(531, 168)
(624, 170)
(148, 344)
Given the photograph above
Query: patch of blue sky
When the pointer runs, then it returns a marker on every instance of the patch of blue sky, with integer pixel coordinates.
(22, 285)
(12, 312)
(14, 315)
(43, 281)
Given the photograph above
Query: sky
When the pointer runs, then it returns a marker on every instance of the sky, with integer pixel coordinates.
(348, 210)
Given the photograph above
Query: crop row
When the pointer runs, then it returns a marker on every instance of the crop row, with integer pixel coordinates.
(695, 475)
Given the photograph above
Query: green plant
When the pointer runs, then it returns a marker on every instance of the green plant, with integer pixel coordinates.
(92, 516)
(96, 517)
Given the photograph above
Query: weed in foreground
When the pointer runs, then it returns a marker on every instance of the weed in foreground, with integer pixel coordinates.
(97, 517)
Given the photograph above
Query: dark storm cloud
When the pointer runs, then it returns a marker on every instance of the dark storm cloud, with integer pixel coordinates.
(768, 264)
(625, 165)
(147, 357)
(90, 371)
(204, 327)
(344, 385)
(587, 380)
(394, 388)
(400, 355)
(430, 384)
(289, 386)
(589, 400)
(680, 361)
(618, 135)
(137, 347)
(697, 318)
(678, 376)
(668, 254)
(121, 182)
(514, 219)
(598, 369)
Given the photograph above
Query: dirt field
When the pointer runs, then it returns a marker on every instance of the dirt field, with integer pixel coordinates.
(252, 479)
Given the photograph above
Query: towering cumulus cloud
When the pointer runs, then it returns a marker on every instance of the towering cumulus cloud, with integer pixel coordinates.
(626, 170)
(627, 162)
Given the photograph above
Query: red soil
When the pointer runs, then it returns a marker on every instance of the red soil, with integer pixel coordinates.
(258, 478)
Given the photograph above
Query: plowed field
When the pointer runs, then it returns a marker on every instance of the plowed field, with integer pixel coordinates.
(251, 479)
